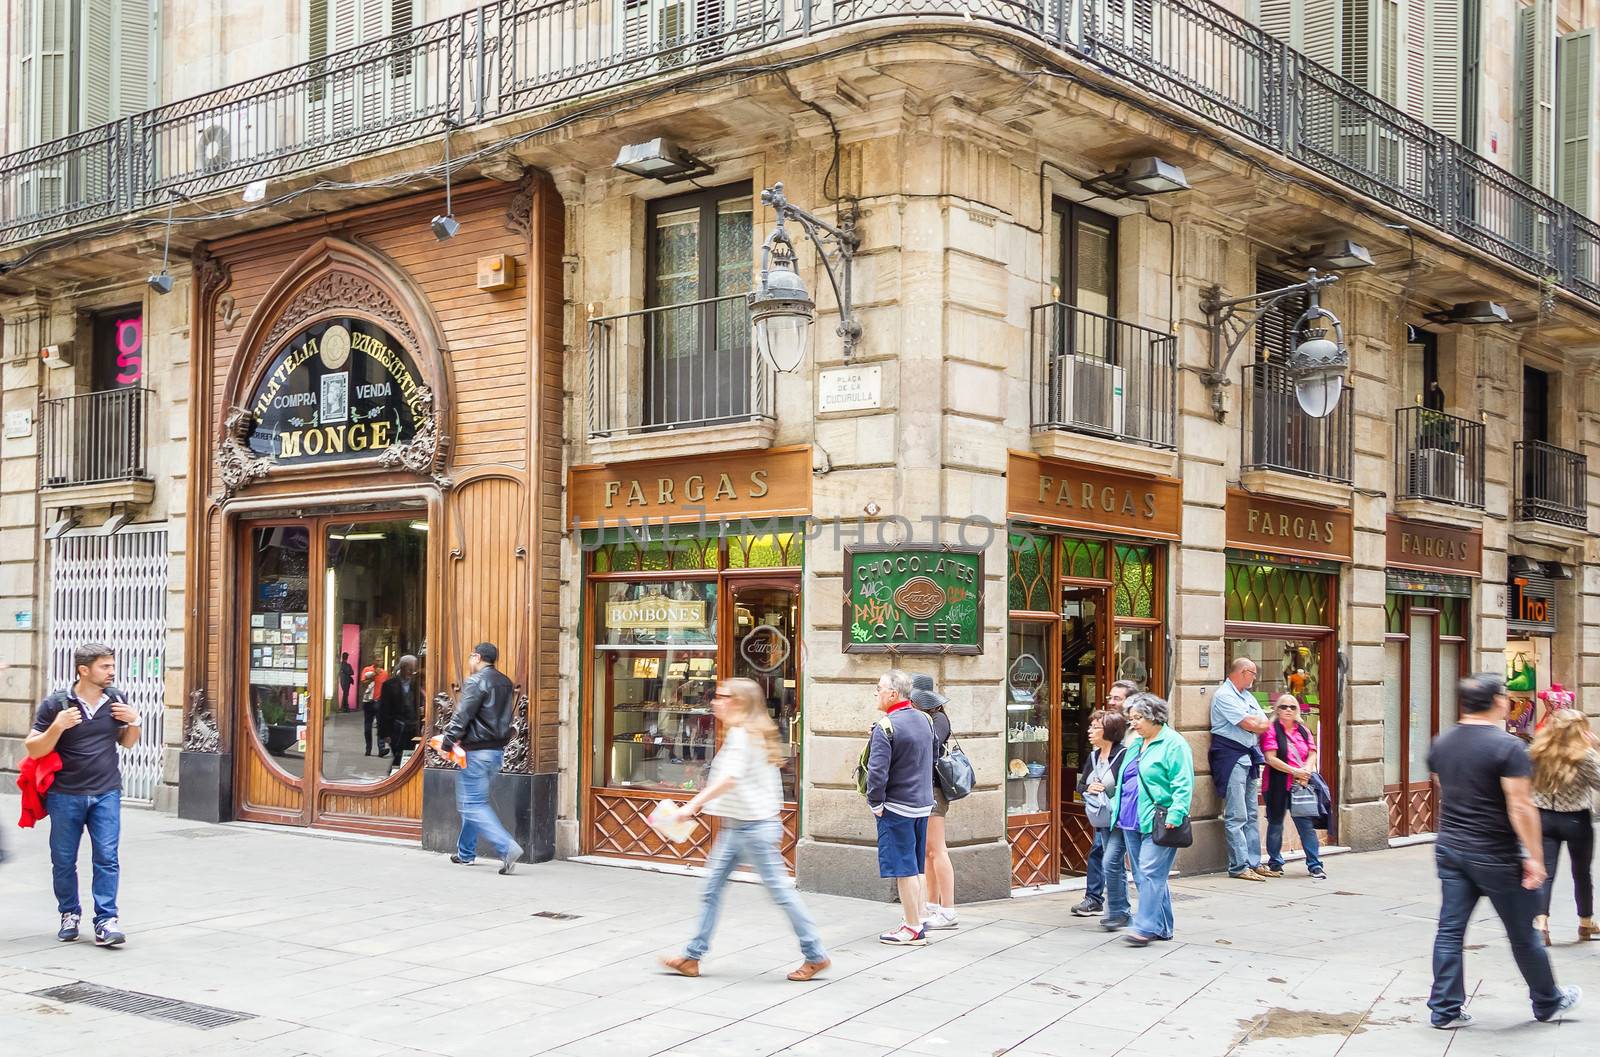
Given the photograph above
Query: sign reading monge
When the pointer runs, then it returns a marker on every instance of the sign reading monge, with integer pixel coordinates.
(340, 389)
(1282, 526)
(1078, 494)
(913, 600)
(1428, 547)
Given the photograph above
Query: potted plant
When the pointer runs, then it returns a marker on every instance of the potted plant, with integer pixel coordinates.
(282, 731)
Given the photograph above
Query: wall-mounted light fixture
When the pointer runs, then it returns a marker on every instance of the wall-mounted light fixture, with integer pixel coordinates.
(161, 282)
(445, 225)
(1138, 178)
(1317, 364)
(1334, 255)
(660, 159)
(781, 309)
(1472, 312)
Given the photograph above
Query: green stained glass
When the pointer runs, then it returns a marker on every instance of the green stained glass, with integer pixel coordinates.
(1133, 581)
(1450, 614)
(1265, 594)
(772, 550)
(1032, 573)
(1083, 559)
(1394, 618)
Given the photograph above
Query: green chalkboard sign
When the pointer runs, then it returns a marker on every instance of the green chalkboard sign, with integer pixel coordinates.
(913, 600)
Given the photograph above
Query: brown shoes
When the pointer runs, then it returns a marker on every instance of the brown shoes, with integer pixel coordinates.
(1267, 871)
(1247, 875)
(809, 969)
(1587, 929)
(682, 966)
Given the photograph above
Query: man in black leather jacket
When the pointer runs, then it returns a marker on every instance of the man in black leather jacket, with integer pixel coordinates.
(482, 726)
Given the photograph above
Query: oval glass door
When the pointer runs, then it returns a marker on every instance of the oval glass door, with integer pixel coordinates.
(765, 616)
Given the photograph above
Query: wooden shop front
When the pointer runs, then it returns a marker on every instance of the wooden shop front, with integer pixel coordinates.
(375, 473)
(692, 572)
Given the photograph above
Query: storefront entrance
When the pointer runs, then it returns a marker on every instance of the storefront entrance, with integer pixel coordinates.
(1424, 652)
(329, 605)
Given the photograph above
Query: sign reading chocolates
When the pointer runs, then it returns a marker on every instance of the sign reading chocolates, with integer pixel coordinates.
(913, 600)
(340, 389)
(1434, 548)
(1283, 526)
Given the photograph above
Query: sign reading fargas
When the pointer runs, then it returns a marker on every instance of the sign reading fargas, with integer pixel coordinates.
(1257, 522)
(1073, 493)
(1428, 547)
(913, 600)
(770, 482)
(340, 389)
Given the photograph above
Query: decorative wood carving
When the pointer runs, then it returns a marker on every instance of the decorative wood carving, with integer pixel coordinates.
(200, 733)
(342, 291)
(210, 273)
(519, 214)
(237, 465)
(519, 758)
(444, 709)
(425, 453)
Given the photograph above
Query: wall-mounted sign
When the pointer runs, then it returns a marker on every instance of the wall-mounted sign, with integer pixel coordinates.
(1060, 492)
(655, 613)
(1024, 678)
(340, 389)
(913, 600)
(765, 648)
(770, 482)
(1283, 526)
(1531, 605)
(849, 389)
(1427, 547)
(19, 424)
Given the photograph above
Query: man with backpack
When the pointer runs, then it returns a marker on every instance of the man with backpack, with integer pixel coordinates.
(898, 785)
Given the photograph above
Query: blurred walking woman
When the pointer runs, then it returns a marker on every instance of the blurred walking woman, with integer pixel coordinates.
(745, 792)
(1566, 775)
(1157, 772)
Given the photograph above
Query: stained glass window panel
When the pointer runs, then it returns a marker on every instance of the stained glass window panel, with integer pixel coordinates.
(1083, 559)
(1134, 581)
(771, 550)
(1266, 594)
(1029, 585)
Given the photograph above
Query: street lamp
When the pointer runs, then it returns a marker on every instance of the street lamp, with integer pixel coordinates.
(1317, 365)
(781, 309)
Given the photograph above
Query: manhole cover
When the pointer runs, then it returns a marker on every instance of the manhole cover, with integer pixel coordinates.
(142, 1005)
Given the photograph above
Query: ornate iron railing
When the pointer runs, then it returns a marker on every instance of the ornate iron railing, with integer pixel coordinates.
(514, 56)
(1552, 484)
(1440, 457)
(1095, 374)
(94, 437)
(1279, 436)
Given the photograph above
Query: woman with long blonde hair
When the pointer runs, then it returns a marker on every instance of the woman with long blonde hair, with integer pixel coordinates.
(745, 791)
(1566, 776)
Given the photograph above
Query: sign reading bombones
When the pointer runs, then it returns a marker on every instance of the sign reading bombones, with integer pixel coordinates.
(340, 389)
(913, 600)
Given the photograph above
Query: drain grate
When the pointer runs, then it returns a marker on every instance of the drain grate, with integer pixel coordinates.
(556, 915)
(142, 1005)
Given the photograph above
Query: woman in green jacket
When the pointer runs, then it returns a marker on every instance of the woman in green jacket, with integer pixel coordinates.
(1159, 772)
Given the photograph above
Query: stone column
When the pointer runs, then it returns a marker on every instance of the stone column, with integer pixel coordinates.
(22, 620)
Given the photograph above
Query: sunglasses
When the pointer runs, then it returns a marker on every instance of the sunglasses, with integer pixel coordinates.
(1288, 708)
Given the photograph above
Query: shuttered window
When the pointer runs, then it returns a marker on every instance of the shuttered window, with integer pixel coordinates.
(1575, 118)
(45, 69)
(359, 95)
(115, 60)
(82, 64)
(1535, 94)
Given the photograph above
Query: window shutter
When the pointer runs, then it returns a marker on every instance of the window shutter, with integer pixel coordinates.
(136, 32)
(1276, 17)
(1443, 80)
(1576, 114)
(1535, 93)
(44, 50)
(317, 45)
(1317, 34)
(97, 67)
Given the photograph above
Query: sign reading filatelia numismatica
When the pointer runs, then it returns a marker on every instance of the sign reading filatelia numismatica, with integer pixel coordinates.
(340, 389)
(913, 600)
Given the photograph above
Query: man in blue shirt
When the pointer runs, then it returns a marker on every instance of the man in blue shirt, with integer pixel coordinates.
(1237, 723)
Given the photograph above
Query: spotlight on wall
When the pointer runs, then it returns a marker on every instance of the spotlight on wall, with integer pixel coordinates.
(161, 282)
(446, 225)
(1334, 255)
(660, 159)
(1140, 177)
(1472, 312)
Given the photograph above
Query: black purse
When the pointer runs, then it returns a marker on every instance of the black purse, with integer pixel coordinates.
(1179, 836)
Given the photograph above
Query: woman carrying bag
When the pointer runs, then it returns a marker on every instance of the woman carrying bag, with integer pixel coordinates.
(940, 873)
(1106, 733)
(745, 791)
(1151, 812)
(1566, 776)
(1291, 754)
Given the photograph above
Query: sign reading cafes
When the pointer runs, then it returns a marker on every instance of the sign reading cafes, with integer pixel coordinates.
(340, 389)
(913, 600)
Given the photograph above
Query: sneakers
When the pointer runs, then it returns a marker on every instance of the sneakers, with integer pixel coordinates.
(108, 934)
(508, 861)
(1570, 996)
(1269, 871)
(69, 928)
(903, 935)
(459, 861)
(1089, 908)
(1460, 1020)
(1247, 874)
(939, 918)
(1319, 873)
(1112, 924)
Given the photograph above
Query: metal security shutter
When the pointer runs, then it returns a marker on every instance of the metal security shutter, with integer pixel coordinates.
(113, 589)
(1576, 113)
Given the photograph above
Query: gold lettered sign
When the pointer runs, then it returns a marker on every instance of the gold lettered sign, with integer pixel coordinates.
(772, 482)
(1060, 492)
(655, 613)
(1427, 547)
(1283, 526)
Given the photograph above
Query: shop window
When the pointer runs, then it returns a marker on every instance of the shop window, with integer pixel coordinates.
(280, 607)
(117, 361)
(1133, 578)
(1030, 580)
(1394, 622)
(1269, 594)
(1083, 559)
(775, 550)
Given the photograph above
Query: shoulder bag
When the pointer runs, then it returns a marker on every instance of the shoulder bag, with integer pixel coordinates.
(1180, 836)
(954, 772)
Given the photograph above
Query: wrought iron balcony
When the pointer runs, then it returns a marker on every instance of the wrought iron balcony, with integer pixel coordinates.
(676, 367)
(1441, 457)
(95, 438)
(1095, 374)
(516, 56)
(1279, 436)
(1552, 485)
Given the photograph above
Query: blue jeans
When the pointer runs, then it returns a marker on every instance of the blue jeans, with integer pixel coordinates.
(1308, 838)
(1463, 881)
(70, 815)
(1152, 865)
(1114, 872)
(1239, 818)
(472, 800)
(1094, 889)
(757, 844)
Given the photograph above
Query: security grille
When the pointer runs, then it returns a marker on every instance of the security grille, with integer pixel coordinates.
(143, 1005)
(113, 589)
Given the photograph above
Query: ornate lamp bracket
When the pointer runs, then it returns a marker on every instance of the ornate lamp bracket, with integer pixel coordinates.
(1229, 321)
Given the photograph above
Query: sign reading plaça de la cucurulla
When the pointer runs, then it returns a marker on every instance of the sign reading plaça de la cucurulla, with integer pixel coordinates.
(340, 389)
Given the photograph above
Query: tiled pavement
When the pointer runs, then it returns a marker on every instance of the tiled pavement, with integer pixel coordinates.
(345, 948)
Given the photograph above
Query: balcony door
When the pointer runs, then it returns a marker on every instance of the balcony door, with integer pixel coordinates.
(107, 423)
(697, 336)
(1088, 373)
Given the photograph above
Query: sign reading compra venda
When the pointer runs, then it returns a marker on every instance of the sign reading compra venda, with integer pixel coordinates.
(340, 389)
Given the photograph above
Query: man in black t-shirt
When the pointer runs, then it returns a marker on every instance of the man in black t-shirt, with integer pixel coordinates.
(84, 724)
(1489, 845)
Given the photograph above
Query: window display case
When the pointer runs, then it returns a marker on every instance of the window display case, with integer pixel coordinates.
(1028, 744)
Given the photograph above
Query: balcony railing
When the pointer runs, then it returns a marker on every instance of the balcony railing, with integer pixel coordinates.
(675, 367)
(1441, 457)
(1095, 374)
(515, 56)
(95, 438)
(1552, 485)
(1279, 436)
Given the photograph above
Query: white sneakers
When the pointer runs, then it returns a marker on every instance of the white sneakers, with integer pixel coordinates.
(939, 918)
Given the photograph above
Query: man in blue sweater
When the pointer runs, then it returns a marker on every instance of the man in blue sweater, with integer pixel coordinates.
(900, 794)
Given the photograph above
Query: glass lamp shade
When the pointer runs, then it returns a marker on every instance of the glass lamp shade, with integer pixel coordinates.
(1318, 391)
(783, 340)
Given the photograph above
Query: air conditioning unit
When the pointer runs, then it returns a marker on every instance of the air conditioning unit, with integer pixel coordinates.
(1092, 395)
(215, 148)
(1433, 473)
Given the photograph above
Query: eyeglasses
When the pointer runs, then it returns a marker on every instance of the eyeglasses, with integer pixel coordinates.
(1288, 708)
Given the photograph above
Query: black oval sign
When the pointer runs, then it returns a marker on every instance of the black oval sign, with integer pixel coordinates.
(341, 389)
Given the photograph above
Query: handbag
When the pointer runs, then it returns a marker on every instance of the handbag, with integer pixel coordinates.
(1303, 801)
(1521, 673)
(954, 772)
(1179, 836)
